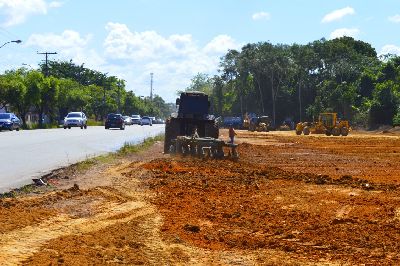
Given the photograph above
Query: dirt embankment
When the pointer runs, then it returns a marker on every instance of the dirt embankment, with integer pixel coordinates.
(289, 200)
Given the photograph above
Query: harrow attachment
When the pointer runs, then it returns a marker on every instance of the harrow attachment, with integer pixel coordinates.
(203, 147)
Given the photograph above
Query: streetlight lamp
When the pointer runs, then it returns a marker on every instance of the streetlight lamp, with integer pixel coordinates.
(16, 41)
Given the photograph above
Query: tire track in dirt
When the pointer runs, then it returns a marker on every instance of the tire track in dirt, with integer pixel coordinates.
(18, 245)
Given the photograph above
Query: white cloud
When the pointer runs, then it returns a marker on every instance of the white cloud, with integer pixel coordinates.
(353, 32)
(132, 56)
(17, 11)
(395, 18)
(338, 14)
(220, 44)
(68, 45)
(390, 49)
(173, 59)
(121, 43)
(56, 4)
(261, 16)
(68, 39)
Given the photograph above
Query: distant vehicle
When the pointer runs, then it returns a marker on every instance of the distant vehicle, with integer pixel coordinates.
(136, 119)
(159, 121)
(114, 121)
(153, 119)
(75, 119)
(328, 124)
(146, 121)
(261, 123)
(193, 113)
(9, 121)
(234, 121)
(127, 120)
(246, 120)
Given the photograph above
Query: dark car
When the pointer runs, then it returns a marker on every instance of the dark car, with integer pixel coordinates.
(115, 121)
(9, 121)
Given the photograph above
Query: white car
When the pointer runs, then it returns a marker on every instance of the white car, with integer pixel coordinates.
(146, 121)
(136, 119)
(75, 119)
(127, 120)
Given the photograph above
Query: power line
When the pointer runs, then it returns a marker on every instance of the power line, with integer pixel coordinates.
(8, 33)
(47, 54)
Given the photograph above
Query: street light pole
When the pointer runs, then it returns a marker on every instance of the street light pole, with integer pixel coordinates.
(16, 41)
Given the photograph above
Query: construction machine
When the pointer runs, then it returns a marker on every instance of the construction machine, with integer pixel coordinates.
(260, 124)
(327, 123)
(193, 108)
(193, 131)
(246, 120)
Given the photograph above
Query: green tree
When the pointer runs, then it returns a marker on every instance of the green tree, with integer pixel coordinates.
(385, 103)
(48, 98)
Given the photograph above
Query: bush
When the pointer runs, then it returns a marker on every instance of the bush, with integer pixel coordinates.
(92, 122)
(396, 119)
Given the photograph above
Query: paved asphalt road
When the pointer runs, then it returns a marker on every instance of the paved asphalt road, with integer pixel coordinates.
(28, 154)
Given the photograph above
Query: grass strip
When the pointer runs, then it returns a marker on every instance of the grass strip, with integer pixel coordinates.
(79, 167)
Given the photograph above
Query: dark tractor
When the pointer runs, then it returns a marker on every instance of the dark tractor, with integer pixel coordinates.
(192, 114)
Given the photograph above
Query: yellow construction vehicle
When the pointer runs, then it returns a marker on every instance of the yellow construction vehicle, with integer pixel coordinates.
(260, 124)
(327, 123)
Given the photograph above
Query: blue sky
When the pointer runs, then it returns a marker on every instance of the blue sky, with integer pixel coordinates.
(175, 39)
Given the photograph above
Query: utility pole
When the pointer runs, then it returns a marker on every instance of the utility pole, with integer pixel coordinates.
(119, 85)
(151, 86)
(47, 68)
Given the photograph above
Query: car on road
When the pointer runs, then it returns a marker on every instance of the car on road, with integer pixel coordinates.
(75, 119)
(159, 121)
(9, 121)
(127, 120)
(114, 121)
(146, 121)
(136, 119)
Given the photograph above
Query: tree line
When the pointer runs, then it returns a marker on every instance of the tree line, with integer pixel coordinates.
(298, 82)
(70, 87)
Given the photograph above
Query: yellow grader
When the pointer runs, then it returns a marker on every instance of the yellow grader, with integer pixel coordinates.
(260, 124)
(327, 123)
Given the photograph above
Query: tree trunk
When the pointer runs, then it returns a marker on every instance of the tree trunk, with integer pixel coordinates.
(23, 120)
(273, 98)
(40, 117)
(300, 100)
(261, 96)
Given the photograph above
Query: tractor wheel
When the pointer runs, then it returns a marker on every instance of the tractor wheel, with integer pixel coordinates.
(328, 133)
(211, 130)
(167, 138)
(306, 131)
(171, 132)
(344, 131)
(336, 131)
(298, 132)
